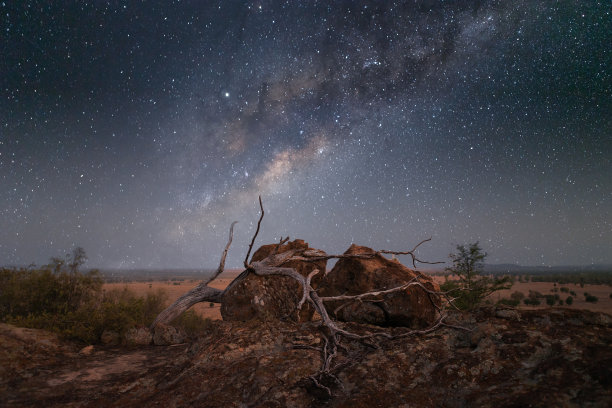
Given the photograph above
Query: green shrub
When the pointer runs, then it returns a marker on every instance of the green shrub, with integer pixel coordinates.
(531, 301)
(59, 298)
(534, 294)
(57, 288)
(116, 310)
(550, 300)
(564, 289)
(472, 288)
(569, 300)
(573, 293)
(591, 299)
(509, 302)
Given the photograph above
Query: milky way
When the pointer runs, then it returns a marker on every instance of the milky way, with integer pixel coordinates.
(140, 131)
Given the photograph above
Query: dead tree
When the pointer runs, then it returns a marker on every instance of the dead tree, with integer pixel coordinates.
(333, 330)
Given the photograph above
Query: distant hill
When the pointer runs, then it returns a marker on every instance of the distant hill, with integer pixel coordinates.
(517, 269)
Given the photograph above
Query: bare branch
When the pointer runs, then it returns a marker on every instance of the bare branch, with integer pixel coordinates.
(223, 256)
(277, 247)
(411, 253)
(413, 282)
(319, 385)
(246, 259)
(317, 255)
(305, 288)
(201, 293)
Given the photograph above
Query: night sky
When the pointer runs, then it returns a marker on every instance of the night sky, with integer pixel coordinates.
(141, 130)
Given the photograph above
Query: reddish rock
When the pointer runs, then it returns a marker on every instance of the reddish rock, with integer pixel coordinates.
(87, 350)
(271, 297)
(413, 307)
(164, 335)
(110, 338)
(138, 336)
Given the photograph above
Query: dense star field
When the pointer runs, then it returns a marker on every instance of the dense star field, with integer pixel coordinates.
(141, 130)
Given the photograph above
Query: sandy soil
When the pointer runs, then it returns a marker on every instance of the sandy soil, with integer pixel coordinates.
(604, 304)
(174, 289)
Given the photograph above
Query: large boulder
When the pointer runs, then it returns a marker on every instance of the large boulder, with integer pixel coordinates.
(271, 297)
(412, 307)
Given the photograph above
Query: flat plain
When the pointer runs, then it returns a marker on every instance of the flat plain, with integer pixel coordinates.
(175, 288)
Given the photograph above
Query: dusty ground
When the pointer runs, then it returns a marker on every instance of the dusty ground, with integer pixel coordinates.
(176, 289)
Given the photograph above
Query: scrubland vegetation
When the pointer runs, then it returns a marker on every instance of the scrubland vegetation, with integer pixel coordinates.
(471, 288)
(60, 298)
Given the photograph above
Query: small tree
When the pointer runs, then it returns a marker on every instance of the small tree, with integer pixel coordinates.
(472, 287)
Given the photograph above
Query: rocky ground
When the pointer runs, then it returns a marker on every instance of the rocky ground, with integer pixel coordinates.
(555, 358)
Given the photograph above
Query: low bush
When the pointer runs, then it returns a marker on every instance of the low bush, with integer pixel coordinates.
(569, 300)
(59, 298)
(534, 294)
(531, 301)
(516, 295)
(509, 302)
(591, 298)
(472, 288)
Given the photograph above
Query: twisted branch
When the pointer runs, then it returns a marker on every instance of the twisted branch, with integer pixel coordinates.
(246, 258)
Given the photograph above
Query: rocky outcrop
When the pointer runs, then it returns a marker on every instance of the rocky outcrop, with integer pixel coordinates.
(539, 358)
(164, 335)
(138, 336)
(271, 297)
(413, 307)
